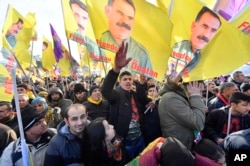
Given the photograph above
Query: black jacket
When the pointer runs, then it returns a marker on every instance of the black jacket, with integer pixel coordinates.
(120, 101)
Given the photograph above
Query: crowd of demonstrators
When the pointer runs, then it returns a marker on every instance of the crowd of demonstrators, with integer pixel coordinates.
(79, 122)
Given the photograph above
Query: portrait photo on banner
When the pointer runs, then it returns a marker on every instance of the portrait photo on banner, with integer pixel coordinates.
(186, 52)
(127, 21)
(79, 29)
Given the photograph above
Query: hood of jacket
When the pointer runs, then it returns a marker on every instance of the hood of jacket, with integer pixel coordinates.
(54, 90)
(172, 87)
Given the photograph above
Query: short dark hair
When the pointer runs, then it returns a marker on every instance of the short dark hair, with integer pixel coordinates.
(237, 97)
(124, 73)
(79, 3)
(19, 20)
(65, 113)
(210, 149)
(205, 9)
(22, 86)
(8, 104)
(46, 44)
(130, 2)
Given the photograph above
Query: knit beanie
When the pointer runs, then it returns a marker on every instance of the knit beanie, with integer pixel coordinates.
(79, 88)
(30, 117)
(42, 100)
(93, 88)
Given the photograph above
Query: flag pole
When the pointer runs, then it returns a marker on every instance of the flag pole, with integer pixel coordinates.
(25, 153)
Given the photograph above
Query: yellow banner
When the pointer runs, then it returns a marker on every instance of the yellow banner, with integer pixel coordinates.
(79, 28)
(145, 27)
(225, 51)
(18, 32)
(242, 20)
(48, 57)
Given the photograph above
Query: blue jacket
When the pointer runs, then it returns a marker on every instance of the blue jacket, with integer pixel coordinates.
(64, 149)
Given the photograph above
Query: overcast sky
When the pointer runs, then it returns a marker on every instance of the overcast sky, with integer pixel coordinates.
(47, 11)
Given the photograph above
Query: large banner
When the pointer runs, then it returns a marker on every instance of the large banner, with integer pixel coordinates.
(18, 32)
(79, 29)
(145, 28)
(217, 54)
(7, 65)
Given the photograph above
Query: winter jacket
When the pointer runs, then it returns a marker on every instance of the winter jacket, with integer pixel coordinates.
(63, 103)
(216, 123)
(120, 101)
(12, 154)
(64, 149)
(180, 115)
(97, 110)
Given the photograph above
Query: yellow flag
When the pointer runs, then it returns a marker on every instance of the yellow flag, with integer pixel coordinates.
(147, 30)
(228, 50)
(7, 64)
(64, 64)
(48, 57)
(242, 20)
(18, 33)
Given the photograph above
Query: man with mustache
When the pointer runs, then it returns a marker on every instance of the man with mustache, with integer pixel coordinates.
(86, 45)
(120, 14)
(187, 53)
(13, 31)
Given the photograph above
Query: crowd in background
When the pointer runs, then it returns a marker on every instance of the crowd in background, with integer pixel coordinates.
(119, 119)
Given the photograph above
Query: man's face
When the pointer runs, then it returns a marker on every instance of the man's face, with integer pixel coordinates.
(242, 108)
(38, 128)
(21, 90)
(203, 31)
(77, 120)
(80, 95)
(120, 19)
(15, 28)
(81, 17)
(55, 96)
(126, 82)
(4, 112)
(96, 95)
(39, 107)
(23, 101)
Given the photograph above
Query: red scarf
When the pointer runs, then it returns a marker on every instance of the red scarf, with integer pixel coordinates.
(223, 99)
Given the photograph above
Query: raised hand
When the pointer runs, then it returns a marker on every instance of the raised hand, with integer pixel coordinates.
(120, 57)
(195, 88)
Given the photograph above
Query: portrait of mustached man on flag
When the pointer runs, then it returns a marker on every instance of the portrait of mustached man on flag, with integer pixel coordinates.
(187, 53)
(79, 28)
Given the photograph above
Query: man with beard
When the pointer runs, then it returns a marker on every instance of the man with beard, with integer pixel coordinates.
(187, 53)
(120, 14)
(80, 94)
(55, 99)
(65, 147)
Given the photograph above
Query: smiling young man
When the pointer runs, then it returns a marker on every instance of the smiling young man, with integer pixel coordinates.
(65, 147)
